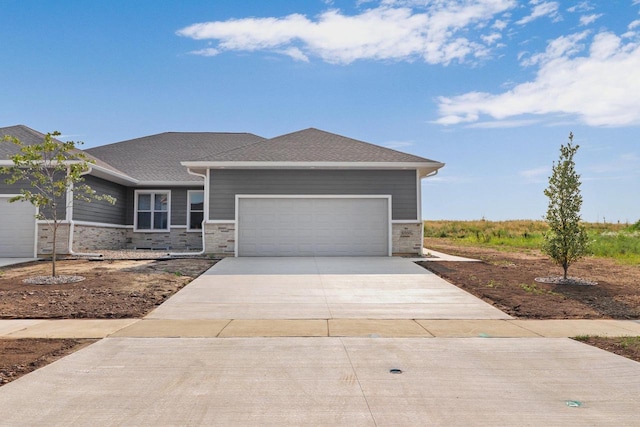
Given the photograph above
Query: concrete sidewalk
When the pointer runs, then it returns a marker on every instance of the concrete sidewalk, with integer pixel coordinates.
(228, 328)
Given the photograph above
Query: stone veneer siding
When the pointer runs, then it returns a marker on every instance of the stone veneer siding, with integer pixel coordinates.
(45, 239)
(91, 238)
(177, 239)
(406, 239)
(95, 238)
(219, 239)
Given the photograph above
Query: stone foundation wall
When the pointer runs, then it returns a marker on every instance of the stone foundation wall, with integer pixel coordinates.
(219, 239)
(93, 238)
(45, 239)
(406, 239)
(177, 239)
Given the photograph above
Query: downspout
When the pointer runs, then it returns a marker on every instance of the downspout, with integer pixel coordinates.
(204, 179)
(72, 224)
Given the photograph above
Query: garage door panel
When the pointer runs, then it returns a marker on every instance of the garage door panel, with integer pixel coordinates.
(17, 229)
(313, 226)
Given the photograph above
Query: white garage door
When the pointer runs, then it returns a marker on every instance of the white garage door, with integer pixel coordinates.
(17, 229)
(316, 226)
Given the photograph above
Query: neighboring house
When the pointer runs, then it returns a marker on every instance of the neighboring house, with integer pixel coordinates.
(307, 193)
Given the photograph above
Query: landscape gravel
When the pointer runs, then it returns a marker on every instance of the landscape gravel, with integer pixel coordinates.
(559, 280)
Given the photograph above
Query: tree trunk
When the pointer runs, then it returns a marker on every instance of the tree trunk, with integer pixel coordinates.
(565, 267)
(53, 251)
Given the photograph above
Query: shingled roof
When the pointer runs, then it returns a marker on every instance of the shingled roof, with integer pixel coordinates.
(28, 136)
(313, 145)
(156, 158)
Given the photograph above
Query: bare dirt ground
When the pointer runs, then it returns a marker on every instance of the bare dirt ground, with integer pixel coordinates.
(111, 289)
(19, 357)
(507, 281)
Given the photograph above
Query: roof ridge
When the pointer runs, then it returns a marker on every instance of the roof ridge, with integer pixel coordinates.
(148, 137)
(205, 131)
(351, 139)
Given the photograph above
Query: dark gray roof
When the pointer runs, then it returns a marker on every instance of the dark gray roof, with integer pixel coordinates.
(156, 158)
(313, 145)
(29, 136)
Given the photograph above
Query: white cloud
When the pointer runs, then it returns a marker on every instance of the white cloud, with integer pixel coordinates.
(539, 10)
(600, 88)
(562, 46)
(437, 33)
(499, 24)
(501, 124)
(491, 38)
(206, 52)
(584, 6)
(395, 145)
(589, 19)
(295, 53)
(536, 175)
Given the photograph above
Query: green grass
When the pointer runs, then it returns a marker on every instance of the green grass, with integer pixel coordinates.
(617, 241)
(534, 289)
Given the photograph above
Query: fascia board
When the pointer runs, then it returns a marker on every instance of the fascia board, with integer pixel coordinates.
(170, 183)
(308, 165)
(110, 175)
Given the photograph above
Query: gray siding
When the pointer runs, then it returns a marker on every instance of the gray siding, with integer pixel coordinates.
(8, 189)
(225, 184)
(99, 210)
(178, 203)
(15, 189)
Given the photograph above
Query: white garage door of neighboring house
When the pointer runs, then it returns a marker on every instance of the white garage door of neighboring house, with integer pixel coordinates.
(17, 229)
(313, 226)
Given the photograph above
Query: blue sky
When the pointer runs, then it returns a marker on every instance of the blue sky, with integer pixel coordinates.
(490, 87)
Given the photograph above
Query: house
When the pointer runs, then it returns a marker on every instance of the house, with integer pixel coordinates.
(307, 193)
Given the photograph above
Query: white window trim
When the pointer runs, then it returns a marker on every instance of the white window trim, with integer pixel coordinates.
(135, 211)
(189, 229)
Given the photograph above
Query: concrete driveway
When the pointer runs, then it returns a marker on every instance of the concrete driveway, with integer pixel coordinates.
(332, 381)
(322, 288)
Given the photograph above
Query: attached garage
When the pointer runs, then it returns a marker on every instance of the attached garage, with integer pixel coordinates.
(313, 225)
(17, 229)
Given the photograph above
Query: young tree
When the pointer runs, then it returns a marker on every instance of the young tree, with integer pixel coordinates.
(49, 171)
(567, 240)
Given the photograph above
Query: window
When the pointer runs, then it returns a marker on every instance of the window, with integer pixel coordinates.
(152, 210)
(195, 209)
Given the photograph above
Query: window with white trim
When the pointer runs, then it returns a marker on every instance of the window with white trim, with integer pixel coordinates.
(152, 210)
(195, 209)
